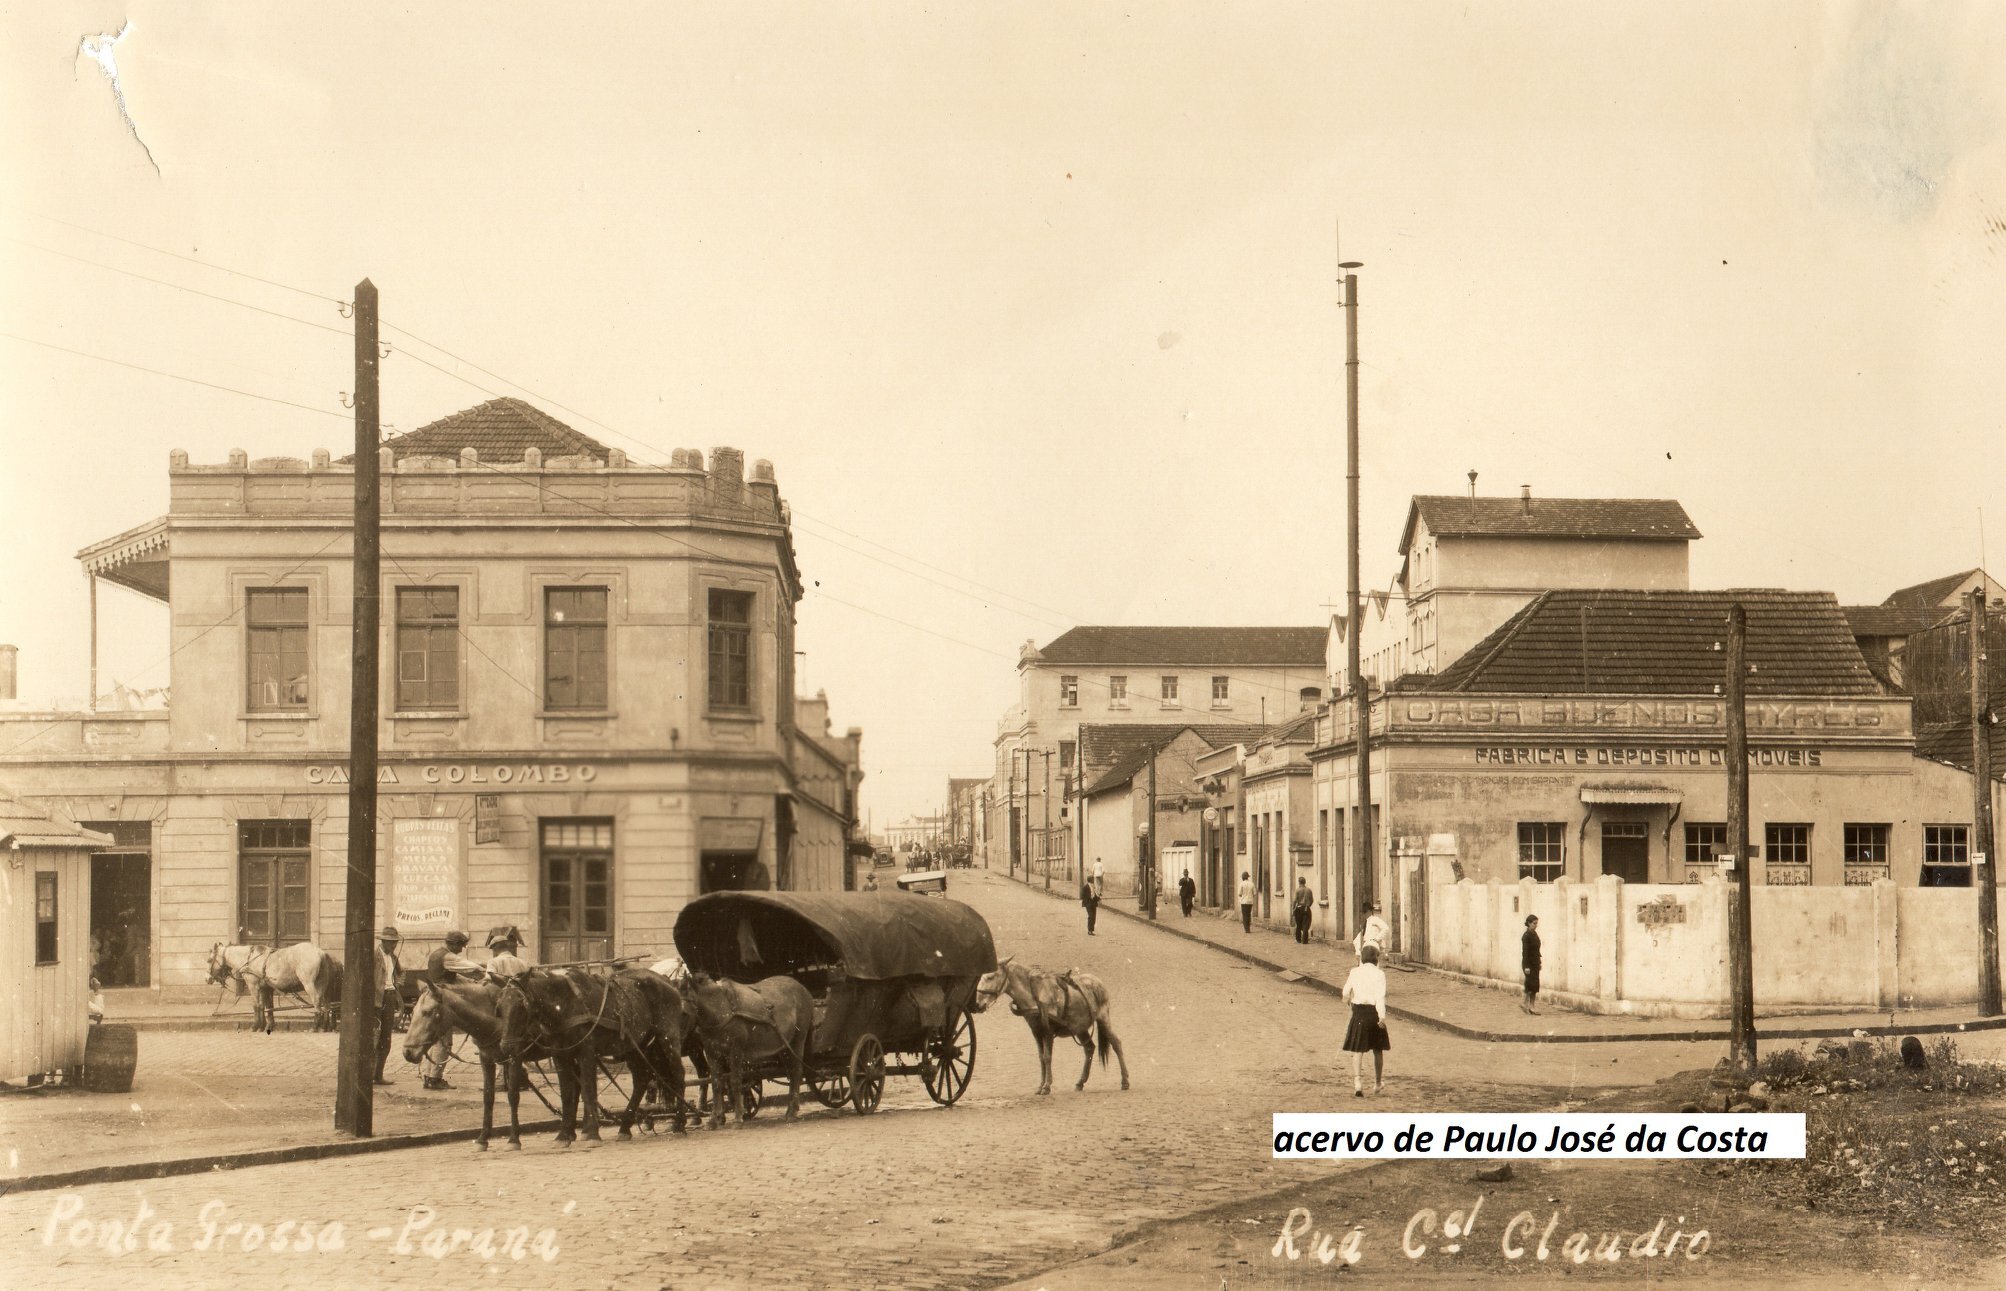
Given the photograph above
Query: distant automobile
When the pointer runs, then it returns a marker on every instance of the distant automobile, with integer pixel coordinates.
(883, 858)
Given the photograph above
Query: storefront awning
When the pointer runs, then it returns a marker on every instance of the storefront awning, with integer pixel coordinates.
(1632, 795)
(135, 559)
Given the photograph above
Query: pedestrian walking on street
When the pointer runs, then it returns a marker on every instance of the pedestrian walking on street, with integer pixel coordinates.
(1373, 931)
(388, 1003)
(1246, 901)
(1365, 990)
(1187, 892)
(445, 965)
(1529, 961)
(1300, 908)
(1090, 897)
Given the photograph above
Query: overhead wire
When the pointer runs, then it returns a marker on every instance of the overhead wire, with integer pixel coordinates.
(193, 291)
(174, 376)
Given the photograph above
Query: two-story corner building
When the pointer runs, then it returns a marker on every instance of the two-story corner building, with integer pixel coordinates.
(1586, 737)
(822, 815)
(587, 693)
(1469, 563)
(1141, 675)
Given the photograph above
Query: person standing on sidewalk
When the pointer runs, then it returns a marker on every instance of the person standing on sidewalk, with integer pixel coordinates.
(1090, 896)
(388, 1003)
(1365, 990)
(1187, 892)
(1300, 907)
(1372, 932)
(1529, 961)
(444, 966)
(1246, 901)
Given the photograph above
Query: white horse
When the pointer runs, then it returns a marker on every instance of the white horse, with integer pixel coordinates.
(302, 969)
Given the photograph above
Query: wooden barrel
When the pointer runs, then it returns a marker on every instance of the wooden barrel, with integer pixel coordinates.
(110, 1055)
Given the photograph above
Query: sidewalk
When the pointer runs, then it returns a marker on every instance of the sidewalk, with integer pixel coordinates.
(1465, 1008)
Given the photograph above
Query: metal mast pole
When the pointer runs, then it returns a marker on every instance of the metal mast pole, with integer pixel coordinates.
(354, 1101)
(1362, 883)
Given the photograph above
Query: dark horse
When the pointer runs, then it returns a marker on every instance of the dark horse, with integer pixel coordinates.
(575, 1017)
(474, 1009)
(1072, 1003)
(742, 1023)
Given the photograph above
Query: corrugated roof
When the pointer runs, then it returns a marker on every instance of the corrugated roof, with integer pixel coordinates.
(22, 825)
(1450, 516)
(1928, 595)
(1662, 643)
(500, 430)
(1188, 647)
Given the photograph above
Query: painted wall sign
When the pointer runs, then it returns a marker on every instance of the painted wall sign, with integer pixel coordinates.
(1663, 910)
(1643, 714)
(434, 773)
(1551, 756)
(425, 871)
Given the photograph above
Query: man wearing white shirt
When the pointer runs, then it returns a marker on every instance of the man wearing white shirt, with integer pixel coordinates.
(1246, 901)
(1374, 933)
(1365, 990)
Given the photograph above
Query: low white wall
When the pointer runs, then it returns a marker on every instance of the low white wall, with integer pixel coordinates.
(1662, 948)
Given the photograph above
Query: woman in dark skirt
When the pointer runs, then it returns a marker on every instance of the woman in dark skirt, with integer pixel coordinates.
(1365, 991)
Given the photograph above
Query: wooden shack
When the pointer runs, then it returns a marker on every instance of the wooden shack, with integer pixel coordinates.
(45, 944)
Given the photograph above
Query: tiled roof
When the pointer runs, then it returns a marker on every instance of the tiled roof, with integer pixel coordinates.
(1661, 643)
(1188, 647)
(1460, 517)
(24, 826)
(1125, 750)
(1893, 620)
(1928, 595)
(499, 430)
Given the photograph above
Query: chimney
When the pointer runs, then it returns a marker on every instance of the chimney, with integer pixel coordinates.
(7, 654)
(1473, 484)
(1308, 698)
(1525, 497)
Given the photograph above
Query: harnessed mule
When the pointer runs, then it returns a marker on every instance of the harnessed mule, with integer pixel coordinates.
(1072, 1003)
(573, 1017)
(301, 968)
(739, 1023)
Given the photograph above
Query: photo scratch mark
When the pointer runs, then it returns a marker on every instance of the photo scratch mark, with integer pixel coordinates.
(102, 50)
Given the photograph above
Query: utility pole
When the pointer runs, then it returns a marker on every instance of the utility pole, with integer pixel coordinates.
(1740, 939)
(1981, 814)
(1048, 820)
(1361, 695)
(354, 1096)
(1010, 807)
(1150, 858)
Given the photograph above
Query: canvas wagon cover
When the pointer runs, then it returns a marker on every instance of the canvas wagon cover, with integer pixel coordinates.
(874, 936)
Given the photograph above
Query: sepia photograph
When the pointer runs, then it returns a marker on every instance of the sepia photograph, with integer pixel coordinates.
(852, 645)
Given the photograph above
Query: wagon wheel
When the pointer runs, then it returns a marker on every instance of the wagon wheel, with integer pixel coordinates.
(950, 1062)
(832, 1091)
(867, 1075)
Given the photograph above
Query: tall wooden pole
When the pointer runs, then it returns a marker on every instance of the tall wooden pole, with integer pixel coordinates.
(1363, 878)
(1048, 820)
(1981, 815)
(1740, 942)
(356, 1063)
(1149, 856)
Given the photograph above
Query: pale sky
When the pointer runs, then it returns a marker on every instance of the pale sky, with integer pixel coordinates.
(1040, 296)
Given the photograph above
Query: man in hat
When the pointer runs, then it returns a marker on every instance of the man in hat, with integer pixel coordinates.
(444, 966)
(388, 1003)
(504, 953)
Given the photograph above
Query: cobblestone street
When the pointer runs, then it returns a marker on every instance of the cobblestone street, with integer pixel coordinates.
(992, 1191)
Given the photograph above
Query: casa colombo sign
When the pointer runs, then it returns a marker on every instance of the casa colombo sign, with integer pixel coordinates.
(484, 773)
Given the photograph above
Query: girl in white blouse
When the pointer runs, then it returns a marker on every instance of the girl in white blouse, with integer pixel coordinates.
(1365, 990)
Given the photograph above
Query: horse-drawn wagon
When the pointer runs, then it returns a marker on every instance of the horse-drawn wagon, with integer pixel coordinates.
(891, 977)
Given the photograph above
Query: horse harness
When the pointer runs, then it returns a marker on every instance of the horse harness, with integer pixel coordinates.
(537, 1032)
(1046, 1017)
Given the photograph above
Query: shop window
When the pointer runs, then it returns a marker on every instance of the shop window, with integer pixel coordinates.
(45, 917)
(574, 648)
(1117, 692)
(1866, 844)
(1221, 687)
(1706, 842)
(1542, 850)
(276, 664)
(1169, 690)
(577, 890)
(1786, 844)
(730, 650)
(273, 862)
(1069, 692)
(1946, 856)
(428, 648)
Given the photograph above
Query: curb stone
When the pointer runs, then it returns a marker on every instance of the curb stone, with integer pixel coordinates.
(1509, 1037)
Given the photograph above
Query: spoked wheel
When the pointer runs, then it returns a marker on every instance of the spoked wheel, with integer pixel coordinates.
(950, 1061)
(867, 1075)
(832, 1091)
